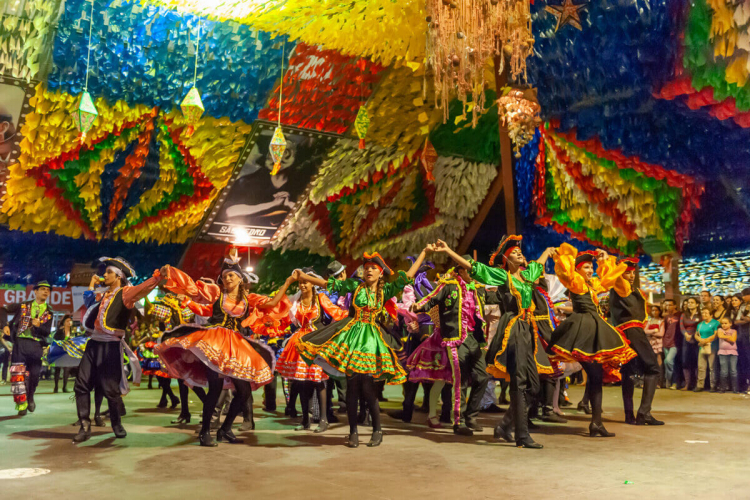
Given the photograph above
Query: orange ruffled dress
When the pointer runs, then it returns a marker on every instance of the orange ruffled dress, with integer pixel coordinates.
(224, 344)
(307, 319)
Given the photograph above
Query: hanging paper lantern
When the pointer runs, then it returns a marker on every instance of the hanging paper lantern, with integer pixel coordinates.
(428, 159)
(361, 124)
(85, 114)
(278, 146)
(192, 108)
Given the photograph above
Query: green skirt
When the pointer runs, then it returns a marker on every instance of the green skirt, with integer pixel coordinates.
(349, 347)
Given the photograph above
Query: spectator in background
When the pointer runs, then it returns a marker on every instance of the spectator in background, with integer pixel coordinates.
(728, 302)
(688, 323)
(705, 299)
(654, 329)
(717, 307)
(741, 323)
(727, 355)
(669, 342)
(708, 343)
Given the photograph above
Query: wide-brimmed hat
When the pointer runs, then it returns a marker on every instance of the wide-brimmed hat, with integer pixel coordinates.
(42, 284)
(231, 265)
(126, 270)
(334, 269)
(506, 246)
(377, 259)
(585, 257)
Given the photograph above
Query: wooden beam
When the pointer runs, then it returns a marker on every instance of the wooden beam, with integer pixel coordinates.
(503, 182)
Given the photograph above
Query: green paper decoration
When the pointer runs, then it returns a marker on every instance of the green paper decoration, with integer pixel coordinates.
(85, 114)
(192, 108)
(278, 146)
(361, 124)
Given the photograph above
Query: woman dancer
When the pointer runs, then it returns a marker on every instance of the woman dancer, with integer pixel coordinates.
(585, 336)
(310, 310)
(63, 333)
(511, 354)
(204, 355)
(357, 347)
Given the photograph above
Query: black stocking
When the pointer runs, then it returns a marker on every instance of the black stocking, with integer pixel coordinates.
(322, 392)
(215, 385)
(295, 387)
(306, 389)
(370, 393)
(353, 389)
(595, 375)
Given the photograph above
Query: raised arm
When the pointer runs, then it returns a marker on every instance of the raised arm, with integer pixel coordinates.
(418, 263)
(610, 273)
(312, 279)
(549, 252)
(443, 247)
(180, 283)
(281, 293)
(132, 294)
(565, 269)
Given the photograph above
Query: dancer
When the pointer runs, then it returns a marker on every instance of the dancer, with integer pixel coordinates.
(204, 355)
(310, 311)
(28, 331)
(512, 350)
(357, 347)
(627, 308)
(585, 336)
(418, 328)
(102, 364)
(460, 305)
(62, 333)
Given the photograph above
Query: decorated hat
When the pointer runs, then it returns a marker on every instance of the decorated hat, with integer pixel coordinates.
(125, 269)
(584, 257)
(426, 265)
(334, 269)
(631, 262)
(231, 265)
(505, 247)
(375, 258)
(249, 277)
(42, 284)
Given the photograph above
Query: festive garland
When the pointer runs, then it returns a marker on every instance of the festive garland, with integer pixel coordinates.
(151, 51)
(136, 177)
(25, 38)
(724, 274)
(382, 30)
(323, 89)
(606, 198)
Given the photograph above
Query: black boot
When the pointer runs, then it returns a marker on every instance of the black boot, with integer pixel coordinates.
(376, 439)
(644, 416)
(599, 430)
(183, 418)
(84, 433)
(114, 418)
(352, 440)
(226, 434)
(527, 442)
(205, 439)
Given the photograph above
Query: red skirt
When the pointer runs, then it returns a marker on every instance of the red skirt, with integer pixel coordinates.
(219, 349)
(291, 365)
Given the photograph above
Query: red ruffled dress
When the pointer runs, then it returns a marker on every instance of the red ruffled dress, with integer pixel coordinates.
(224, 344)
(307, 319)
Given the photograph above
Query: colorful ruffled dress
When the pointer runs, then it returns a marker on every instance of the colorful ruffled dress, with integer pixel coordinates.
(307, 319)
(358, 344)
(585, 336)
(518, 322)
(223, 344)
(149, 360)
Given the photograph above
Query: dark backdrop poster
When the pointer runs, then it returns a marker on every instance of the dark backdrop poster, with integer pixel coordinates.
(257, 202)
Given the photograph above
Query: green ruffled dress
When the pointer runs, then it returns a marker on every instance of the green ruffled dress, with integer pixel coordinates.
(358, 344)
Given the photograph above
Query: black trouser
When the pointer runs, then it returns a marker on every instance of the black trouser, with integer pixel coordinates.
(362, 385)
(547, 394)
(101, 366)
(238, 404)
(184, 397)
(29, 352)
(65, 375)
(473, 369)
(594, 382)
(269, 394)
(524, 380)
(648, 364)
(410, 394)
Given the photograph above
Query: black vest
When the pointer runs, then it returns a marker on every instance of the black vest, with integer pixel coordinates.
(219, 317)
(626, 309)
(115, 317)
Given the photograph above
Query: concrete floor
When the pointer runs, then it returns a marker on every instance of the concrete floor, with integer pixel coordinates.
(159, 460)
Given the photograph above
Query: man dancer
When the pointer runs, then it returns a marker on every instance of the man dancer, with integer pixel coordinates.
(107, 318)
(627, 307)
(28, 331)
(462, 326)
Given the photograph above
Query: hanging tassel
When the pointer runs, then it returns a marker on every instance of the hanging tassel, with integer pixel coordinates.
(362, 143)
(276, 167)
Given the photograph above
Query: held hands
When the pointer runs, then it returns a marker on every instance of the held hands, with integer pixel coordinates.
(441, 246)
(164, 271)
(601, 255)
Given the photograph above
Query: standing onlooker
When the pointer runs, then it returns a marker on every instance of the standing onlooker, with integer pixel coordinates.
(728, 302)
(688, 323)
(705, 301)
(705, 335)
(727, 355)
(654, 330)
(63, 331)
(741, 320)
(717, 307)
(669, 342)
